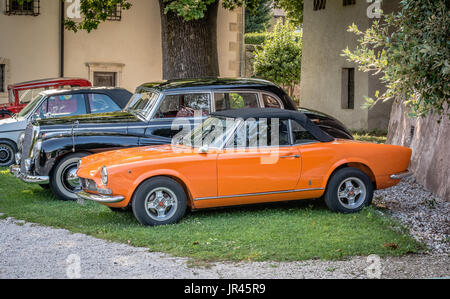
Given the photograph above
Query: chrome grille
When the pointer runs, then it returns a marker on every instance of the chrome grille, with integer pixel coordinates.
(26, 148)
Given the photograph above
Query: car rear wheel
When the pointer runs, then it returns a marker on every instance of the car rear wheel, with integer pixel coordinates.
(159, 201)
(63, 181)
(8, 150)
(349, 191)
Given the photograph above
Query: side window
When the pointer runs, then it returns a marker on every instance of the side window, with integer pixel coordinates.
(66, 105)
(270, 102)
(261, 133)
(232, 101)
(101, 103)
(25, 96)
(185, 105)
(300, 134)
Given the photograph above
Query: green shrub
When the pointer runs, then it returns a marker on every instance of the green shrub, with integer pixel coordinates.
(255, 38)
(258, 38)
(280, 57)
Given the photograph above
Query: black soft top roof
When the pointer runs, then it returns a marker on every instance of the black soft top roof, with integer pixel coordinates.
(258, 113)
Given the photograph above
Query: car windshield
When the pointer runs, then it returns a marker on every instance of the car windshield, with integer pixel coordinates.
(142, 103)
(212, 132)
(28, 108)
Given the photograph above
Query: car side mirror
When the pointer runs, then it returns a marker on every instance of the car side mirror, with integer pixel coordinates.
(204, 149)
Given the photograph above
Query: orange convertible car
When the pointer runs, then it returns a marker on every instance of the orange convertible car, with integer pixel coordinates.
(242, 157)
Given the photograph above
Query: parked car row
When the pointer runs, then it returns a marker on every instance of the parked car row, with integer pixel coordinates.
(53, 104)
(130, 159)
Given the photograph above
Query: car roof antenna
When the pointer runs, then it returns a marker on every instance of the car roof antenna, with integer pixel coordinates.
(76, 123)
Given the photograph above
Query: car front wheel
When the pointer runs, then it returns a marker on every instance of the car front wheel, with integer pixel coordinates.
(349, 191)
(7, 153)
(63, 181)
(159, 201)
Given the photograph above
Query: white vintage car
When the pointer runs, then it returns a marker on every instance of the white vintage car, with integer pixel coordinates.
(57, 103)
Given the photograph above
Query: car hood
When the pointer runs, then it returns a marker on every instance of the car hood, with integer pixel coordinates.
(112, 117)
(92, 164)
(13, 124)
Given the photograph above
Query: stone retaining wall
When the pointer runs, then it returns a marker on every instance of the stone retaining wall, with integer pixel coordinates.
(430, 142)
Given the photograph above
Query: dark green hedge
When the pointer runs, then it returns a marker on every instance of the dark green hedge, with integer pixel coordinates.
(259, 38)
(255, 38)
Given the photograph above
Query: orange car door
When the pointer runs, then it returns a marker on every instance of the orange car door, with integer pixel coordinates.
(258, 171)
(246, 167)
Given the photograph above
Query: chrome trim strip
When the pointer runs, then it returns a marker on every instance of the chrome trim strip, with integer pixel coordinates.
(400, 176)
(258, 194)
(99, 198)
(102, 128)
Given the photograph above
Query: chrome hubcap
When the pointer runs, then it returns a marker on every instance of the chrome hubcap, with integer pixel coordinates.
(161, 204)
(352, 193)
(5, 153)
(71, 180)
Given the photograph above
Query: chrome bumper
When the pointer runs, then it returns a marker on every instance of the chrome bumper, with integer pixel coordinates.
(400, 176)
(99, 198)
(31, 179)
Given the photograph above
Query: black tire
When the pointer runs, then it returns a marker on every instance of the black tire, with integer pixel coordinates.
(59, 184)
(340, 196)
(45, 186)
(171, 192)
(8, 150)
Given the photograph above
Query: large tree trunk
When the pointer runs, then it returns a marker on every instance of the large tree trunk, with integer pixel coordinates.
(189, 48)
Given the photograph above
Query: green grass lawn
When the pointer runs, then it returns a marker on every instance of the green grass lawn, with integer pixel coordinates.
(282, 232)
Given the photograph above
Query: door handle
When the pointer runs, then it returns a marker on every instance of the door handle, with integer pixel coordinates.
(292, 156)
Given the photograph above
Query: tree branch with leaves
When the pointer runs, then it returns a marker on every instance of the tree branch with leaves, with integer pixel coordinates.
(411, 50)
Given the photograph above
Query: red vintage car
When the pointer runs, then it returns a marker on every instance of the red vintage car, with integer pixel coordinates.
(20, 94)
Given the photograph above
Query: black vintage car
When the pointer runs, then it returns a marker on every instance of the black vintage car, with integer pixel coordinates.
(52, 148)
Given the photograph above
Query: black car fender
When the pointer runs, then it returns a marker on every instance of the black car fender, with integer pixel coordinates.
(55, 149)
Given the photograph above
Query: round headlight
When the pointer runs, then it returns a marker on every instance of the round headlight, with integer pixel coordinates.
(104, 174)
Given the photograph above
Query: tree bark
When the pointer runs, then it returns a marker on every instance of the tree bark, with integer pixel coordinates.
(189, 48)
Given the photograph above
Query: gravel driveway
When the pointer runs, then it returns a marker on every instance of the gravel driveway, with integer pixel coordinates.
(32, 251)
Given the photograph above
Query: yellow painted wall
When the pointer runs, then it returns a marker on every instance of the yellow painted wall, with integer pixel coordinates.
(131, 46)
(29, 46)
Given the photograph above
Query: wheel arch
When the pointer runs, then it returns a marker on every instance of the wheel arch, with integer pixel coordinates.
(58, 159)
(10, 140)
(363, 166)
